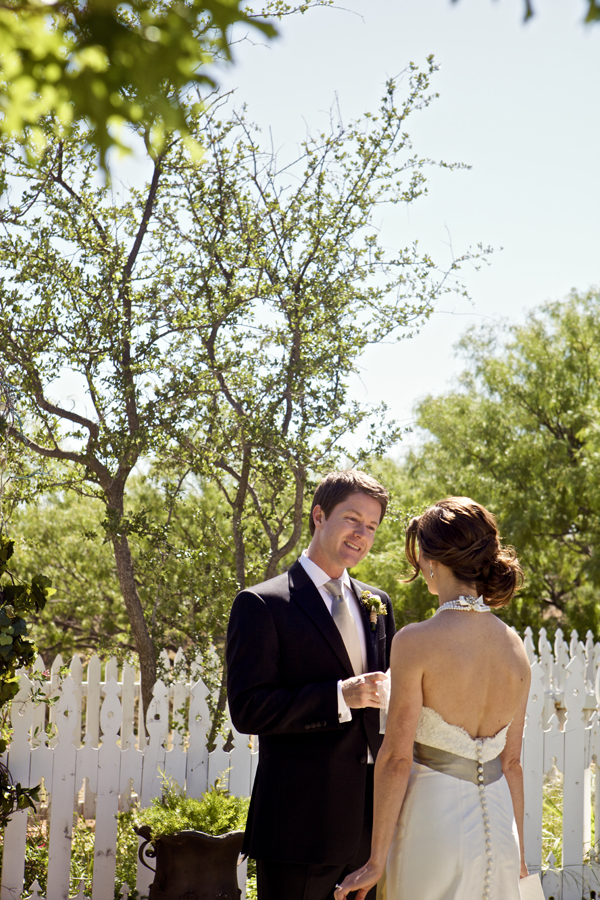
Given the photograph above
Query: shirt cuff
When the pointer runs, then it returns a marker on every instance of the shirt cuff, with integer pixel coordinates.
(344, 714)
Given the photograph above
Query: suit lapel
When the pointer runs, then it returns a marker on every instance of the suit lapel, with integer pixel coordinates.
(369, 635)
(305, 594)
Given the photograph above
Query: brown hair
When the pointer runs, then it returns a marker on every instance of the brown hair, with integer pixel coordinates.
(336, 486)
(463, 535)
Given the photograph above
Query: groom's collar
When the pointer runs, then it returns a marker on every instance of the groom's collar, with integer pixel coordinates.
(316, 574)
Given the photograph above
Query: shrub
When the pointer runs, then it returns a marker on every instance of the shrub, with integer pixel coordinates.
(215, 813)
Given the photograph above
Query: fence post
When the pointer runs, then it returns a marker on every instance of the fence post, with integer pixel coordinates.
(533, 771)
(15, 833)
(63, 792)
(107, 798)
(157, 724)
(546, 659)
(92, 727)
(574, 781)
(199, 724)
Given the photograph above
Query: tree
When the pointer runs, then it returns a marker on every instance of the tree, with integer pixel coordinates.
(85, 614)
(110, 64)
(76, 297)
(210, 320)
(287, 261)
(296, 286)
(592, 14)
(180, 547)
(521, 437)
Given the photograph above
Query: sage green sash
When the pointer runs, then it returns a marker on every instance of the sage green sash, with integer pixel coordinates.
(458, 766)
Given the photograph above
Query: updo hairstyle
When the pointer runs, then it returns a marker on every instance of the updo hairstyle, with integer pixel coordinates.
(462, 535)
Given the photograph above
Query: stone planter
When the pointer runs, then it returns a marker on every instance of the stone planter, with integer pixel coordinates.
(191, 865)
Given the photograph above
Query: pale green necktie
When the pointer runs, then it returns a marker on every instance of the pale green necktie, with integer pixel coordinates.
(346, 625)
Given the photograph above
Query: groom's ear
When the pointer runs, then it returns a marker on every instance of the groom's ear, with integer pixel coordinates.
(318, 516)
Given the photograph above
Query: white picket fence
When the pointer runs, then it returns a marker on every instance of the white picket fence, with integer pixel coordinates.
(562, 735)
(94, 754)
(95, 761)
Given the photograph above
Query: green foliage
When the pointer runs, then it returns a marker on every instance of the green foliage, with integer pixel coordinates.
(268, 258)
(60, 534)
(592, 14)
(110, 64)
(186, 315)
(386, 565)
(17, 599)
(184, 560)
(217, 812)
(181, 548)
(17, 650)
(521, 436)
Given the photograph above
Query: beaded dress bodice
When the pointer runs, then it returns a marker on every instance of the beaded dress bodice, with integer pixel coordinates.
(434, 731)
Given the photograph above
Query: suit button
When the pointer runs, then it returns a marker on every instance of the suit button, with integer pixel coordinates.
(307, 726)
(363, 760)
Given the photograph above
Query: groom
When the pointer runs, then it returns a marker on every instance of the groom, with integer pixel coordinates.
(303, 665)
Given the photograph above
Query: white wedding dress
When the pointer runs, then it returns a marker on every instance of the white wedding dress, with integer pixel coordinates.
(455, 839)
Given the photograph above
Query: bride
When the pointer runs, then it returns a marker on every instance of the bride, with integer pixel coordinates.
(448, 778)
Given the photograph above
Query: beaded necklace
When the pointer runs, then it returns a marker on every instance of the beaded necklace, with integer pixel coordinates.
(467, 603)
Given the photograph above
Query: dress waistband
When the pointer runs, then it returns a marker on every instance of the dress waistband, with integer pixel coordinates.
(457, 766)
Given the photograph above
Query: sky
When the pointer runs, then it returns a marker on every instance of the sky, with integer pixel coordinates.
(517, 102)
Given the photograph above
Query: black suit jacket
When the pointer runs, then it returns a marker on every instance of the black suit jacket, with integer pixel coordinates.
(285, 656)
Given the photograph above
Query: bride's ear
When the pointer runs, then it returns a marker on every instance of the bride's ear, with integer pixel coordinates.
(426, 566)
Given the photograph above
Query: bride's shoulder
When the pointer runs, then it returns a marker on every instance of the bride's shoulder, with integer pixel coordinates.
(412, 646)
(413, 633)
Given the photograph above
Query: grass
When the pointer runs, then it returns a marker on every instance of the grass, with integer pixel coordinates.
(552, 828)
(552, 819)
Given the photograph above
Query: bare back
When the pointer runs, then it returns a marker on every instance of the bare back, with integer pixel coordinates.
(475, 669)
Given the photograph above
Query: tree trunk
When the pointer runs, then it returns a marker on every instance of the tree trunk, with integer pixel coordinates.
(143, 642)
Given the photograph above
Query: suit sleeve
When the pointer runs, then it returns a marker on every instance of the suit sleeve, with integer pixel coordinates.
(258, 703)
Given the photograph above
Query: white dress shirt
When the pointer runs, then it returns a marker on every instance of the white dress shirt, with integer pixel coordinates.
(320, 578)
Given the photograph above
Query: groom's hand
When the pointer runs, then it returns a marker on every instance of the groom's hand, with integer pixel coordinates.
(361, 690)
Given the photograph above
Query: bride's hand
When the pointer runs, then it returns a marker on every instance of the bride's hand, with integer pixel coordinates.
(362, 881)
(524, 870)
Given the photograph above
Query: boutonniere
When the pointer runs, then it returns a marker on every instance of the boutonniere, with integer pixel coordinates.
(375, 606)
